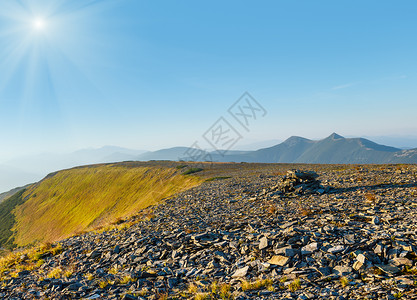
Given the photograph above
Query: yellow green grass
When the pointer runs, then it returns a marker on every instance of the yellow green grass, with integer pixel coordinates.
(256, 285)
(85, 198)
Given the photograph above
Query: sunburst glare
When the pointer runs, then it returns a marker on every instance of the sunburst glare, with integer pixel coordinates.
(44, 43)
(39, 24)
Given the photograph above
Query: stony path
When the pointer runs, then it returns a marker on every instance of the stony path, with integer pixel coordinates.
(247, 237)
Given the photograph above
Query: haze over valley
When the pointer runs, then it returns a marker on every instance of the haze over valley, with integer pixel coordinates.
(334, 149)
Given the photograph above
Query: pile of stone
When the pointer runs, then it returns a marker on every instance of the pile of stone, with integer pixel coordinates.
(301, 182)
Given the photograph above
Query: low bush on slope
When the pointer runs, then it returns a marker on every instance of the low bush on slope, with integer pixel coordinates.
(84, 198)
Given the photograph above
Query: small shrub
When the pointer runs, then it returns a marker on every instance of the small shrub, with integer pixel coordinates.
(55, 273)
(214, 287)
(377, 271)
(398, 295)
(192, 171)
(68, 273)
(117, 221)
(306, 212)
(192, 288)
(256, 285)
(222, 291)
(39, 263)
(57, 249)
(344, 281)
(272, 209)
(409, 271)
(270, 288)
(218, 178)
(162, 296)
(225, 291)
(127, 279)
(370, 197)
(295, 285)
(202, 296)
(113, 270)
(149, 216)
(103, 284)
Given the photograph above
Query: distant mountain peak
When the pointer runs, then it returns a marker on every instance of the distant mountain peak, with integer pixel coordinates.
(335, 136)
(295, 140)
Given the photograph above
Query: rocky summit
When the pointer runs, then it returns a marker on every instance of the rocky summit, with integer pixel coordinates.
(250, 231)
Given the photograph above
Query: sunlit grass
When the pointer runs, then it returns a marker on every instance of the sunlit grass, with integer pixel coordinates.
(127, 279)
(103, 284)
(113, 270)
(344, 281)
(84, 198)
(29, 259)
(294, 285)
(55, 273)
(256, 285)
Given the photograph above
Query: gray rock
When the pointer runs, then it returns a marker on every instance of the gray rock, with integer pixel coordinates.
(263, 243)
(336, 249)
(361, 258)
(342, 270)
(400, 261)
(241, 272)
(279, 260)
(308, 249)
(75, 286)
(388, 269)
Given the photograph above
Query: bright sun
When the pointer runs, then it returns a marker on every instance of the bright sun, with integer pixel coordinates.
(39, 24)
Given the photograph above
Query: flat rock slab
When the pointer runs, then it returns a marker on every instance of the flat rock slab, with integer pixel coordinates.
(309, 248)
(241, 272)
(336, 249)
(390, 270)
(278, 260)
(401, 261)
(263, 243)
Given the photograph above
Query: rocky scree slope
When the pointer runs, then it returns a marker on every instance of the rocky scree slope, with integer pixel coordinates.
(241, 238)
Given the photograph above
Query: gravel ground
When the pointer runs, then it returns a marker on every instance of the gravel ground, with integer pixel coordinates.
(251, 231)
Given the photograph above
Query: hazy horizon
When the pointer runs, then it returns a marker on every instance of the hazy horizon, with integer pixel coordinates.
(21, 170)
(400, 142)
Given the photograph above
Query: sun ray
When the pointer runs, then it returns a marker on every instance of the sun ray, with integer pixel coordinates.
(36, 52)
(39, 24)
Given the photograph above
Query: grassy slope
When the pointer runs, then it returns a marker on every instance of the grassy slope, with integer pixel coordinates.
(8, 219)
(80, 199)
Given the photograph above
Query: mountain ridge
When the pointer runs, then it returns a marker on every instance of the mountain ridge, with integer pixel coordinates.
(334, 149)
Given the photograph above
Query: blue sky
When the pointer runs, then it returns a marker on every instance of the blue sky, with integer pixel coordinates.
(153, 74)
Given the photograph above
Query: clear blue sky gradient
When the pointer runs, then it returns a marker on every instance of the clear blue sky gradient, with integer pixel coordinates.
(152, 74)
